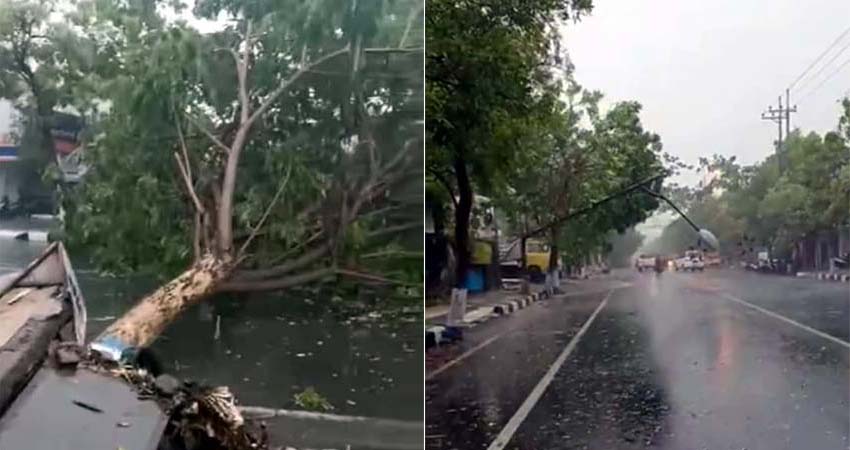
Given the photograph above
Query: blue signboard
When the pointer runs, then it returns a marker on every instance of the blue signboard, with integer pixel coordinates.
(8, 153)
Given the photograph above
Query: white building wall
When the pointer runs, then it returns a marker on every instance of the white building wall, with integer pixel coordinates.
(5, 117)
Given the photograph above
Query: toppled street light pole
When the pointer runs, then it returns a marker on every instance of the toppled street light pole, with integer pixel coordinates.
(627, 190)
(706, 235)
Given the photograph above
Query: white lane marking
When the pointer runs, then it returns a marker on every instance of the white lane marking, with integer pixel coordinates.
(519, 416)
(784, 319)
(465, 355)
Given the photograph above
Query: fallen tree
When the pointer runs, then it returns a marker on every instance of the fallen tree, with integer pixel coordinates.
(271, 153)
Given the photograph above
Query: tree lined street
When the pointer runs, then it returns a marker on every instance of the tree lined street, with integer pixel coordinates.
(715, 360)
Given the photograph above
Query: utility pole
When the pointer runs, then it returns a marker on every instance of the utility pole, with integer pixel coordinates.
(779, 115)
(788, 111)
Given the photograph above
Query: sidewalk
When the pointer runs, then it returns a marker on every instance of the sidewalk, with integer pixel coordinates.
(479, 308)
(438, 313)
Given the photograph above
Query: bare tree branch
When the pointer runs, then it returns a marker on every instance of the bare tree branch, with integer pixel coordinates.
(281, 283)
(196, 239)
(267, 102)
(414, 13)
(265, 214)
(183, 172)
(372, 277)
(228, 184)
(231, 52)
(300, 262)
(380, 211)
(394, 229)
(378, 51)
(208, 133)
(391, 253)
(445, 183)
(242, 75)
(182, 140)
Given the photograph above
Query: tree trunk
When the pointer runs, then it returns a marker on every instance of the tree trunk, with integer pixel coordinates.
(144, 322)
(553, 250)
(462, 212)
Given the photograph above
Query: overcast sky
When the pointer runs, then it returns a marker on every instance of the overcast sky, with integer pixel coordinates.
(705, 70)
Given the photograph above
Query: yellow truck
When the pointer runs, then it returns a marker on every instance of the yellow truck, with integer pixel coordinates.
(536, 258)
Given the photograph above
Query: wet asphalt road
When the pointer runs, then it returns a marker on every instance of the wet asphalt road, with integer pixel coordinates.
(670, 362)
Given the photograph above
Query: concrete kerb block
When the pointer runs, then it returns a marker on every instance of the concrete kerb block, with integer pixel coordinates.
(438, 335)
(511, 306)
(433, 335)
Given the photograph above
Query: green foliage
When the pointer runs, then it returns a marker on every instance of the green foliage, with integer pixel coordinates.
(572, 165)
(140, 76)
(489, 89)
(486, 65)
(757, 206)
(501, 102)
(311, 400)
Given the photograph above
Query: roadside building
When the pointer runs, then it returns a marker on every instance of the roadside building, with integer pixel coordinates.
(9, 178)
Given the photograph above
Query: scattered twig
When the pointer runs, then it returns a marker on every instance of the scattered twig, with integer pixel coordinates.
(373, 277)
(389, 254)
(19, 296)
(87, 406)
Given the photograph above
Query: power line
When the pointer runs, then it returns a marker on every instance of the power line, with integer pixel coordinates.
(834, 72)
(823, 67)
(841, 36)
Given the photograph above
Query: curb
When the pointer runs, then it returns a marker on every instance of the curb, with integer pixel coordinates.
(827, 276)
(512, 306)
(440, 335)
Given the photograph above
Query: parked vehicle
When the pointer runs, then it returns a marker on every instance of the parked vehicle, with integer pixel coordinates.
(537, 254)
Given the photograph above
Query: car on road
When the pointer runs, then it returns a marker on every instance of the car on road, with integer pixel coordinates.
(712, 259)
(691, 261)
(645, 262)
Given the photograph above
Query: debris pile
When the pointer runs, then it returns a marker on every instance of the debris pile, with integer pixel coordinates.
(200, 417)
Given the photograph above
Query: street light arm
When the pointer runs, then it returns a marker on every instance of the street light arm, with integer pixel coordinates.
(672, 205)
(594, 205)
